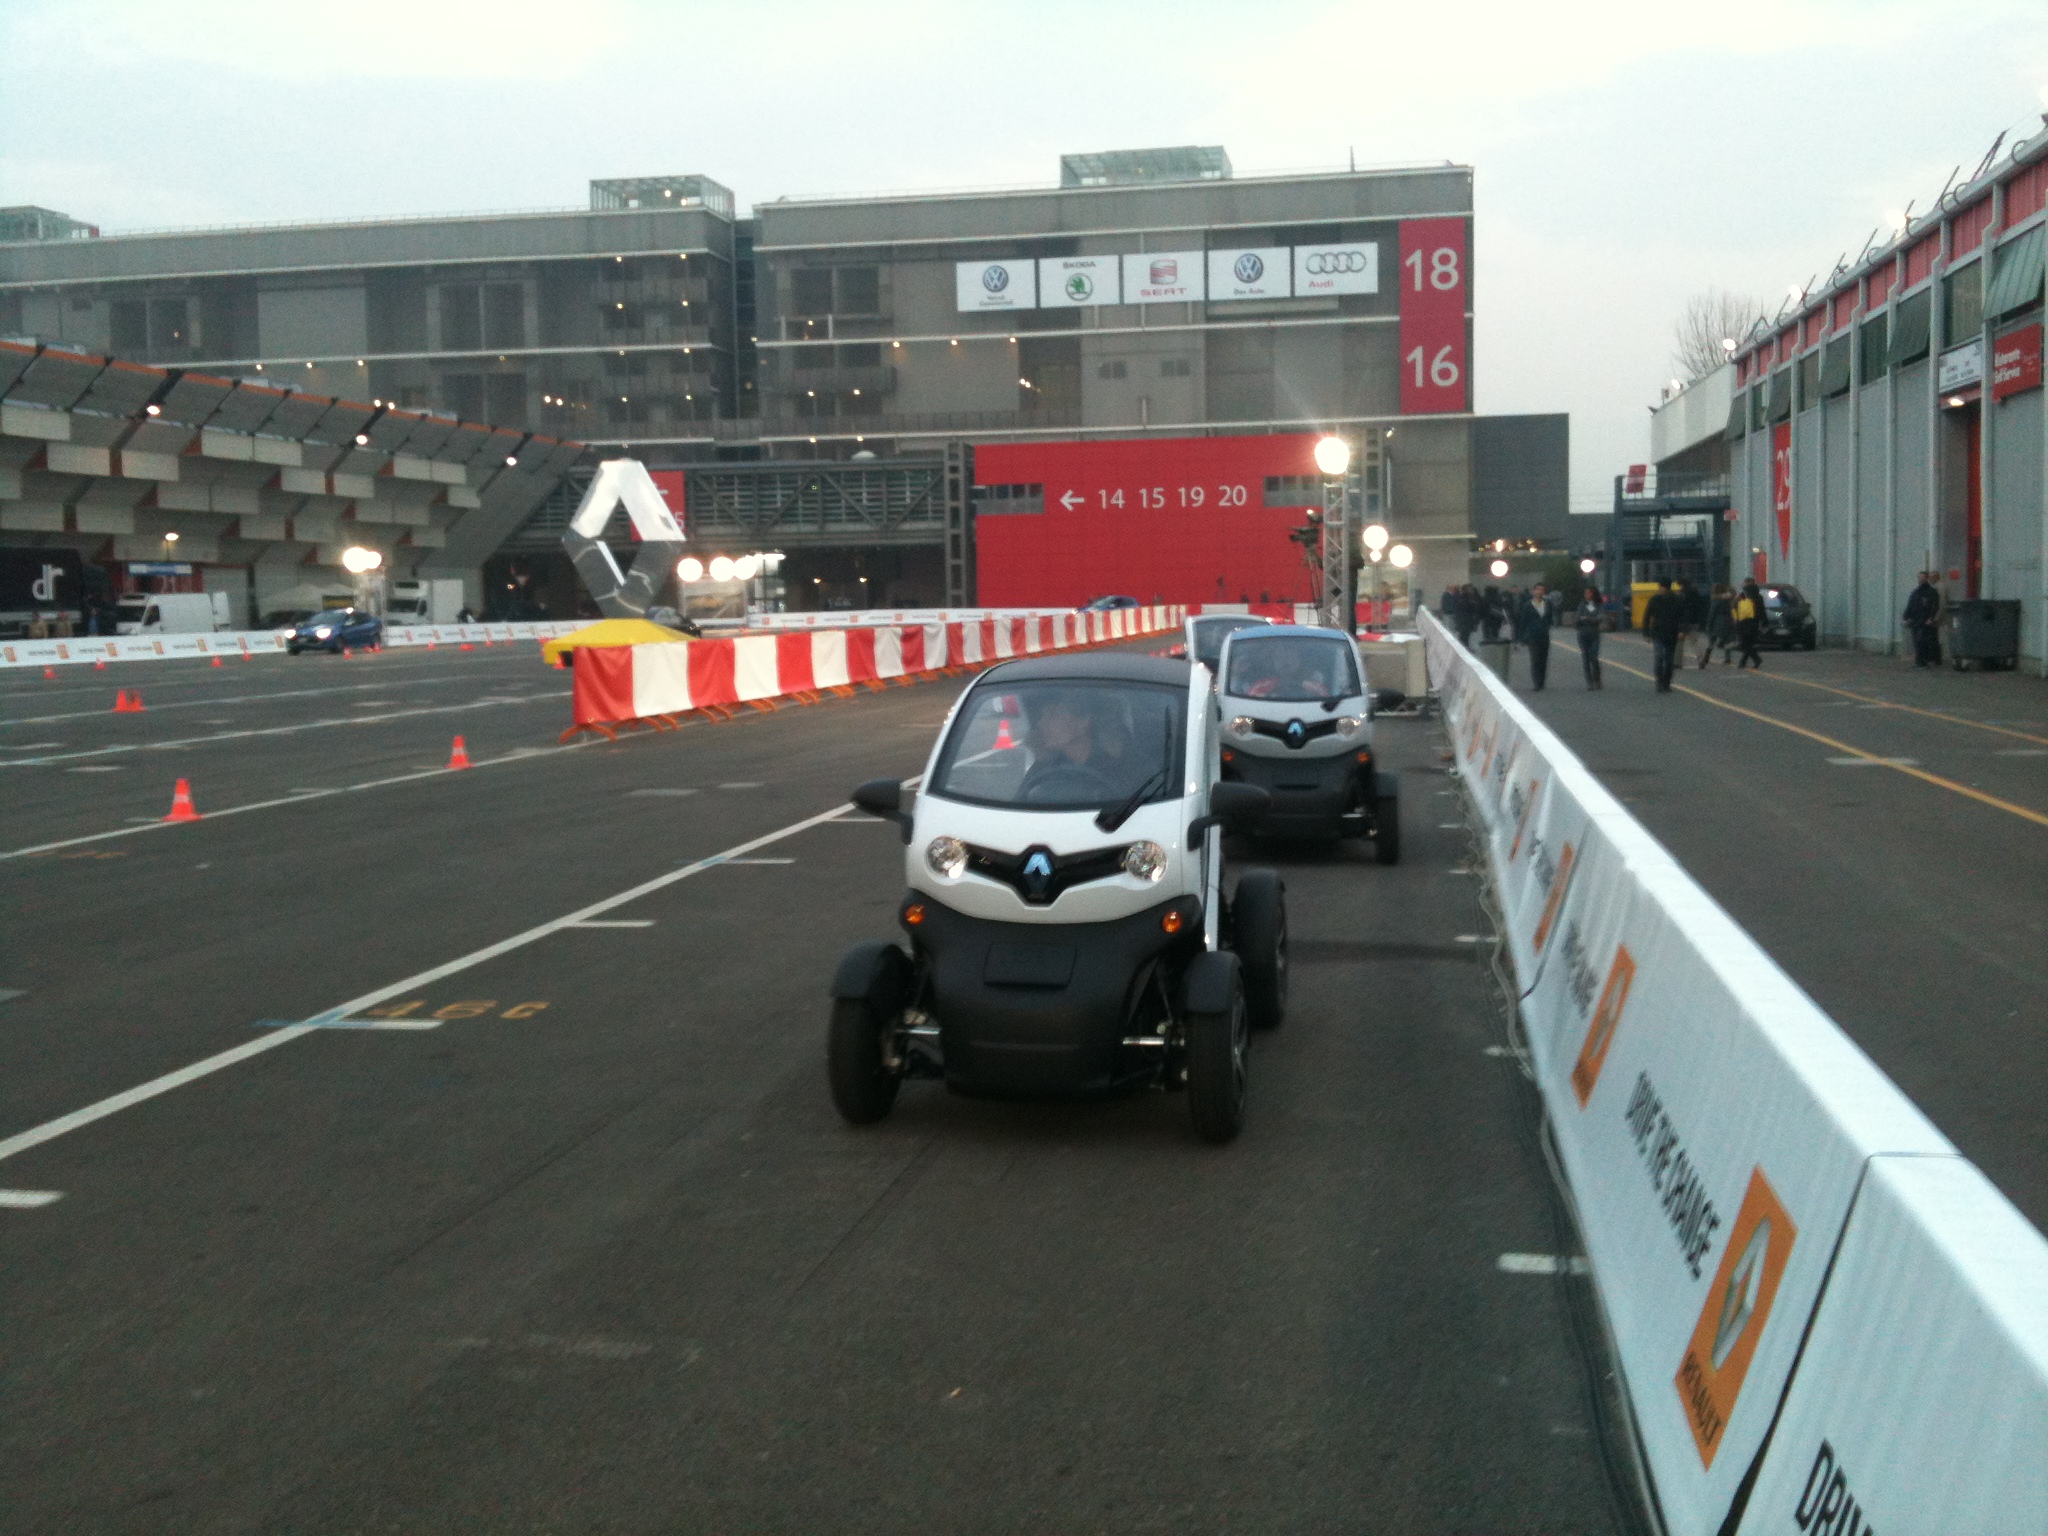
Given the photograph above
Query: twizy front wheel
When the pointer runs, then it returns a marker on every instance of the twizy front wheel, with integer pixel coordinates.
(1218, 1040)
(1259, 921)
(863, 1082)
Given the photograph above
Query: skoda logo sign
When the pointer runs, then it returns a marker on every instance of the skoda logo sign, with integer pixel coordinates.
(1297, 733)
(1080, 287)
(1249, 267)
(1330, 263)
(995, 278)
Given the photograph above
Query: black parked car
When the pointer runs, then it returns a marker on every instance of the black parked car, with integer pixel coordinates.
(1788, 619)
(336, 630)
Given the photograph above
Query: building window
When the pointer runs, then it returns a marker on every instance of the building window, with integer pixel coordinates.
(1114, 370)
(149, 327)
(810, 291)
(463, 393)
(1962, 304)
(1176, 368)
(1809, 380)
(1874, 340)
(504, 315)
(1294, 490)
(1834, 367)
(1909, 329)
(1009, 500)
(865, 354)
(860, 291)
(128, 328)
(505, 399)
(461, 318)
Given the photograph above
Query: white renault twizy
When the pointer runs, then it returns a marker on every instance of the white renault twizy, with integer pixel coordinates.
(1068, 929)
(1298, 723)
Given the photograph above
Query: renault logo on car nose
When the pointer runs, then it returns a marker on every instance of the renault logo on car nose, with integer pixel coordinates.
(1038, 867)
(1297, 733)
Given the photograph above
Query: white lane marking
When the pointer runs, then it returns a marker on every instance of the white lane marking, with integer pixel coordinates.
(50, 1130)
(1875, 762)
(1503, 1050)
(676, 793)
(618, 922)
(1541, 1264)
(295, 797)
(1471, 938)
(350, 1023)
(760, 861)
(28, 1199)
(252, 732)
(752, 785)
(2022, 752)
(97, 768)
(31, 746)
(9, 994)
(1449, 826)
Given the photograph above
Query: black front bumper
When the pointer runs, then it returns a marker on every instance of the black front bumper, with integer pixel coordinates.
(1031, 1009)
(1312, 796)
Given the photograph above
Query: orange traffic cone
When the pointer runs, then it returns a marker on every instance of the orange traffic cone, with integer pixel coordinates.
(49, 674)
(181, 803)
(123, 705)
(459, 758)
(468, 647)
(1005, 742)
(99, 666)
(216, 661)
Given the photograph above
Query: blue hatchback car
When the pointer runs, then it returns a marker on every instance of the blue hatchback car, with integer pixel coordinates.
(336, 630)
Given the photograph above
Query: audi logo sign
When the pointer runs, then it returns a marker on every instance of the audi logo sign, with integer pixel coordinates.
(1329, 263)
(1320, 269)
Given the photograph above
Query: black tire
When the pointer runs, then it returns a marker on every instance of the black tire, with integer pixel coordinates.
(1218, 1044)
(1386, 836)
(1259, 935)
(863, 1086)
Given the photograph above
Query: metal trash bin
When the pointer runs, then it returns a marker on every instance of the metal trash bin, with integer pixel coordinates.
(1984, 630)
(1499, 655)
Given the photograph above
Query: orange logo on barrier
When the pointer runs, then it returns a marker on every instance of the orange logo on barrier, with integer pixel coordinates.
(1606, 1019)
(1528, 810)
(1554, 901)
(1738, 1304)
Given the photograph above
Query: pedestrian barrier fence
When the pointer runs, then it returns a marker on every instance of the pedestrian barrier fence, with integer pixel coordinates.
(655, 683)
(1802, 1277)
(88, 649)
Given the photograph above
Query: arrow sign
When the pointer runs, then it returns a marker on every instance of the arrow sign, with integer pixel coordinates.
(1070, 501)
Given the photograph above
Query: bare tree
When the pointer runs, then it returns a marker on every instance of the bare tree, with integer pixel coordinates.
(1708, 320)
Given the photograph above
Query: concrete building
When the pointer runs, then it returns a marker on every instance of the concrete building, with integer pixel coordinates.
(1891, 421)
(1151, 292)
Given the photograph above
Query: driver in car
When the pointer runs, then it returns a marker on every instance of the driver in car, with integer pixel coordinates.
(1290, 670)
(1072, 740)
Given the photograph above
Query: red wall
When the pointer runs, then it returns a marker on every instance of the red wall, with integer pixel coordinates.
(1192, 527)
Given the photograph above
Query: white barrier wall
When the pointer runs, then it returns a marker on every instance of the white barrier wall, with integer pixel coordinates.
(1714, 1125)
(88, 649)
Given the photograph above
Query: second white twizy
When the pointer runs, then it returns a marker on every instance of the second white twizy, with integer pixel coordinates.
(1067, 925)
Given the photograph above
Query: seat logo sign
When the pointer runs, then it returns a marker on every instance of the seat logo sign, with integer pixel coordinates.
(995, 278)
(1330, 263)
(1165, 272)
(1249, 267)
(1738, 1305)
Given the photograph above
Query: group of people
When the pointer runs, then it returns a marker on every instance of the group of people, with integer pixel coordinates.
(1727, 619)
(1467, 609)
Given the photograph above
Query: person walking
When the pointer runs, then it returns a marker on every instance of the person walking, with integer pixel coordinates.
(1492, 615)
(1720, 626)
(1664, 623)
(1749, 625)
(1588, 617)
(1923, 613)
(1465, 613)
(1532, 628)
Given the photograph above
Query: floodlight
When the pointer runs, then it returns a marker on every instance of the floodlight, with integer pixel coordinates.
(721, 568)
(690, 568)
(1375, 537)
(1333, 456)
(1498, 569)
(746, 567)
(358, 561)
(1587, 566)
(1402, 556)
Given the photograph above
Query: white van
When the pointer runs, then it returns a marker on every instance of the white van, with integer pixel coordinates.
(171, 613)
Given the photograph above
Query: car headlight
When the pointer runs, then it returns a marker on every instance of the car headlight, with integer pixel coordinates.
(946, 857)
(323, 634)
(1241, 727)
(1347, 726)
(1145, 861)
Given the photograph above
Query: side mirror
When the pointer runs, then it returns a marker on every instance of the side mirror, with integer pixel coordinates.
(1231, 804)
(884, 798)
(1388, 698)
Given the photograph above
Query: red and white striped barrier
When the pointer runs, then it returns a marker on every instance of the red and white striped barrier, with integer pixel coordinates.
(617, 685)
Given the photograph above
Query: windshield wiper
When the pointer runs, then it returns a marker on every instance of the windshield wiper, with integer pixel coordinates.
(1111, 817)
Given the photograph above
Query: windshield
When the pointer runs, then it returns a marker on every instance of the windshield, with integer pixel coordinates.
(1060, 745)
(1210, 633)
(1293, 669)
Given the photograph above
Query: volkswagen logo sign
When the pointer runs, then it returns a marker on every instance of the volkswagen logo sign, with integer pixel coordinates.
(1330, 263)
(1297, 733)
(1249, 267)
(995, 278)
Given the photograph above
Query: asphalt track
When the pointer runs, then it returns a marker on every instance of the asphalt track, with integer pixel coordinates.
(592, 1252)
(1882, 832)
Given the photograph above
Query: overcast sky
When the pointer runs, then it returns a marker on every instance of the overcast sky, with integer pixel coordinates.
(1627, 156)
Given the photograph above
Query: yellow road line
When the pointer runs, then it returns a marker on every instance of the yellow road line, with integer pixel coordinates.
(1911, 709)
(2021, 811)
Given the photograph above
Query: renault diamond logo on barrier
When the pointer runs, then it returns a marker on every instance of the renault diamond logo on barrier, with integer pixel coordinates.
(1733, 1318)
(1739, 1299)
(1249, 268)
(995, 278)
(1080, 287)
(1330, 263)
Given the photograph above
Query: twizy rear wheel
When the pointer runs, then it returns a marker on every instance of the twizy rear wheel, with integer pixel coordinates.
(863, 1081)
(1259, 934)
(1217, 1046)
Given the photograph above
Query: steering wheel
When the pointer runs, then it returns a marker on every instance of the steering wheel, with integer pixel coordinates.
(1070, 781)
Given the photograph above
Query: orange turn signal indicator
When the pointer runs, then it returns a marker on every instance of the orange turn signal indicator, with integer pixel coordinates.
(914, 913)
(1173, 921)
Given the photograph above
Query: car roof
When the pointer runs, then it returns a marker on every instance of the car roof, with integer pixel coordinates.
(1298, 631)
(1101, 666)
